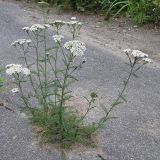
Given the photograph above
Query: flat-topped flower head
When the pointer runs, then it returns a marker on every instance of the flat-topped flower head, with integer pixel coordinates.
(73, 23)
(21, 42)
(138, 54)
(58, 38)
(57, 23)
(17, 68)
(13, 69)
(36, 27)
(76, 47)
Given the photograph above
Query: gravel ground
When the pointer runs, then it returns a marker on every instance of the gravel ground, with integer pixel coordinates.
(135, 135)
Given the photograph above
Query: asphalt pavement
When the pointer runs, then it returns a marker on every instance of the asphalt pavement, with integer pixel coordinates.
(135, 135)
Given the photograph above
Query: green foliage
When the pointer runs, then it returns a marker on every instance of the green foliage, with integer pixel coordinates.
(73, 131)
(144, 10)
(115, 8)
(140, 11)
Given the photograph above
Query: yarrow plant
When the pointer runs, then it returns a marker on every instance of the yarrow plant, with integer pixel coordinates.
(49, 70)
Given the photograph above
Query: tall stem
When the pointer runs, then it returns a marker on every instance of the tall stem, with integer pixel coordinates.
(116, 101)
(38, 71)
(62, 97)
(123, 90)
(45, 68)
(55, 74)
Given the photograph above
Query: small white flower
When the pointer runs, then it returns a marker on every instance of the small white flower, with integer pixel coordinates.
(15, 90)
(10, 71)
(9, 65)
(58, 38)
(127, 51)
(76, 47)
(26, 71)
(26, 29)
(21, 42)
(73, 18)
(147, 60)
(13, 68)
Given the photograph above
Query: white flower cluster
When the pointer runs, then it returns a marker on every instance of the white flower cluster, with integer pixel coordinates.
(16, 68)
(59, 22)
(76, 47)
(138, 54)
(21, 42)
(57, 38)
(74, 22)
(36, 27)
(13, 68)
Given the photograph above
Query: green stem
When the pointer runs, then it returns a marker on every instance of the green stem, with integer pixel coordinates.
(38, 71)
(62, 98)
(45, 68)
(121, 93)
(56, 78)
(83, 117)
(114, 104)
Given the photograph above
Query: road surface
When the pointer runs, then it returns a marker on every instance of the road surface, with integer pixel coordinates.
(135, 135)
